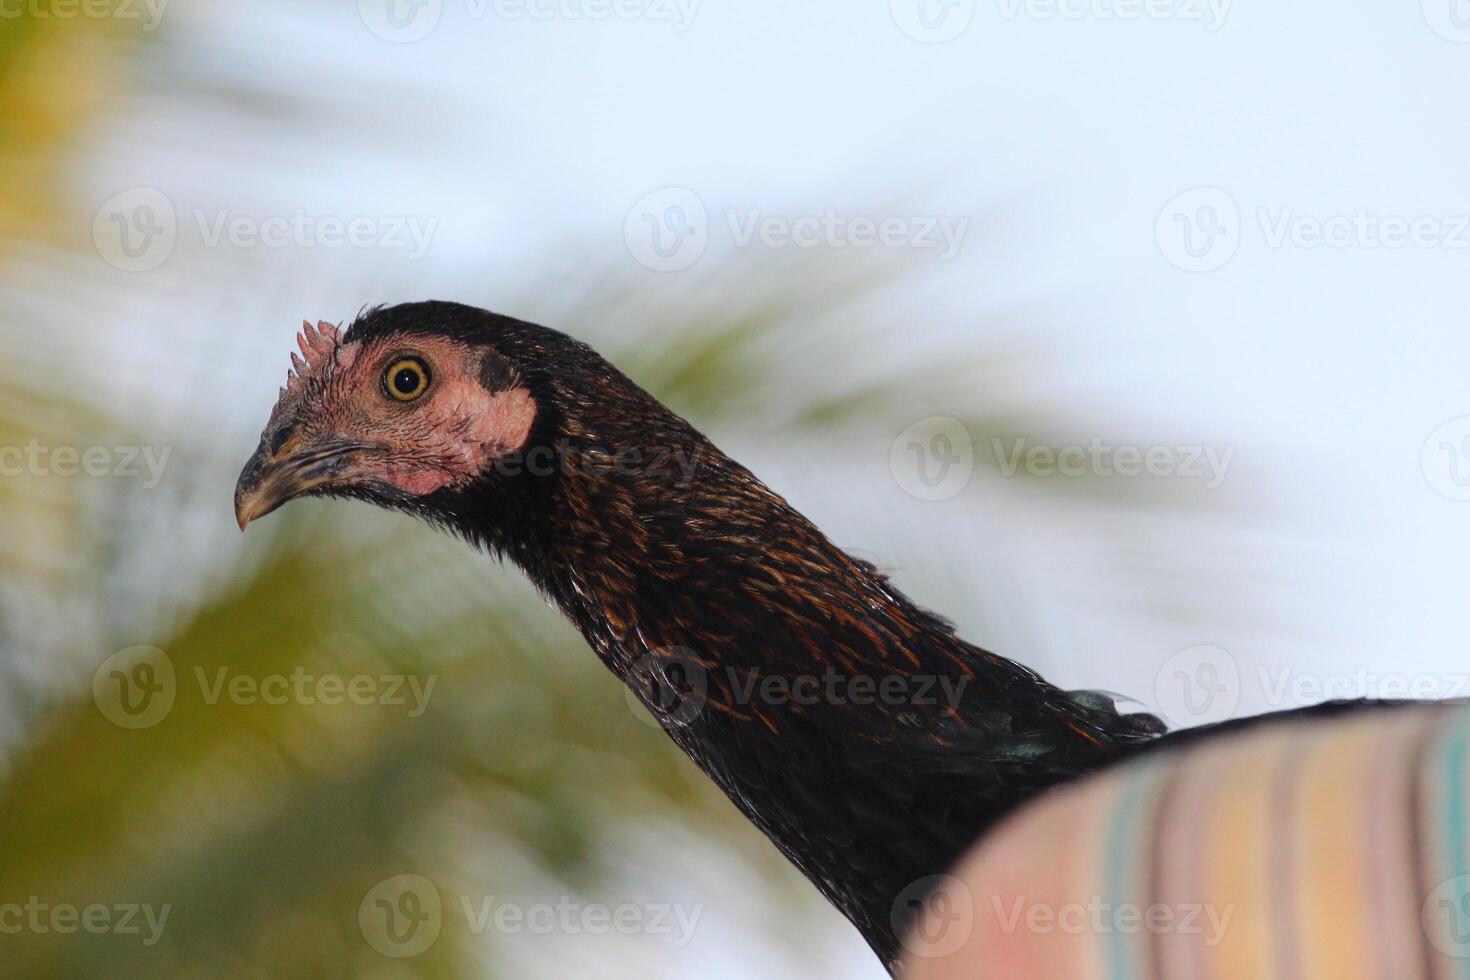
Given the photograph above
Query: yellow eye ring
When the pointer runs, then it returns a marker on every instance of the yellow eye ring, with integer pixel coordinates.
(406, 379)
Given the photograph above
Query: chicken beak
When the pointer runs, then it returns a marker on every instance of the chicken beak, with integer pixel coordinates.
(269, 481)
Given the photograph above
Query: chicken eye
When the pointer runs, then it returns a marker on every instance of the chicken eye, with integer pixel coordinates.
(406, 378)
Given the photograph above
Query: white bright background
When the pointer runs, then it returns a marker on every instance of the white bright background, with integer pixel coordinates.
(1333, 550)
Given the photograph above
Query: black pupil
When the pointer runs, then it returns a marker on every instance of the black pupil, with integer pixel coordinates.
(406, 381)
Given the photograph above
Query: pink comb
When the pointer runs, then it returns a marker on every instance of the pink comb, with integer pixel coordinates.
(319, 347)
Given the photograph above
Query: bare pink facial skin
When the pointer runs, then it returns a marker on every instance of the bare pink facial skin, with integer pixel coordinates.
(448, 436)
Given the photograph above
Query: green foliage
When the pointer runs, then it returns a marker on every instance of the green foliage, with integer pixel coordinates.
(262, 826)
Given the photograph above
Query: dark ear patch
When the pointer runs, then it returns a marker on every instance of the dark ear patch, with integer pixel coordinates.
(496, 373)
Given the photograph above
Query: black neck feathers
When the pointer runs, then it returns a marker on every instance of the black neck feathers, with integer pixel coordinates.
(856, 730)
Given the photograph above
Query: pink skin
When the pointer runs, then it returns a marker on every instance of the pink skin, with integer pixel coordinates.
(447, 436)
(1036, 860)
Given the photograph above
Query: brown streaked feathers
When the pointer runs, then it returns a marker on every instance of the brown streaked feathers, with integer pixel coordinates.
(762, 647)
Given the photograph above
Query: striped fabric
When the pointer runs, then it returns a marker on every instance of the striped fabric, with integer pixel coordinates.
(1305, 850)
